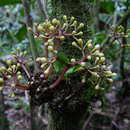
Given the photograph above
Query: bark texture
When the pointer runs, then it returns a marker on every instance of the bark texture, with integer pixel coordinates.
(3, 120)
(70, 119)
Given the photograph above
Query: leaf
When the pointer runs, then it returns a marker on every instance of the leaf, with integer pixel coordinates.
(9, 2)
(58, 66)
(63, 58)
(21, 34)
(107, 7)
(74, 69)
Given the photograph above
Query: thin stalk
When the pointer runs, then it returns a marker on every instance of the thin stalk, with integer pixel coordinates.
(29, 23)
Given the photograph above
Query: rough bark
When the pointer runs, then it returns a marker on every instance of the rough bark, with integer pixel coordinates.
(3, 120)
(80, 9)
(65, 120)
(70, 119)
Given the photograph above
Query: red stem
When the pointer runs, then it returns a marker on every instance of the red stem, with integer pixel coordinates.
(61, 76)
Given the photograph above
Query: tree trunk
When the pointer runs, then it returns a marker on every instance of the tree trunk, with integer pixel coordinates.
(80, 9)
(68, 119)
(3, 120)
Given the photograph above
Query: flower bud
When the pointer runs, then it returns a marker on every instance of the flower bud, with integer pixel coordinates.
(74, 23)
(97, 87)
(102, 59)
(80, 42)
(46, 43)
(75, 44)
(72, 19)
(41, 36)
(40, 28)
(83, 64)
(47, 70)
(62, 37)
(97, 53)
(109, 80)
(73, 60)
(19, 77)
(9, 76)
(113, 74)
(94, 74)
(1, 88)
(79, 33)
(65, 25)
(13, 85)
(97, 47)
(1, 80)
(50, 48)
(2, 69)
(89, 57)
(81, 26)
(43, 59)
(65, 17)
(29, 29)
(12, 95)
(9, 62)
(55, 21)
(43, 65)
(52, 28)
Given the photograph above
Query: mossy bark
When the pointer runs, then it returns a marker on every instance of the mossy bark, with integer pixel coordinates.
(70, 119)
(80, 9)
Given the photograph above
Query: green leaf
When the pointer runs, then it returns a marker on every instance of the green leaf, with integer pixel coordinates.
(9, 2)
(107, 7)
(63, 58)
(21, 34)
(58, 66)
(74, 69)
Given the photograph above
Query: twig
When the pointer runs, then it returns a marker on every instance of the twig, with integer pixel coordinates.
(29, 23)
(119, 23)
(42, 7)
